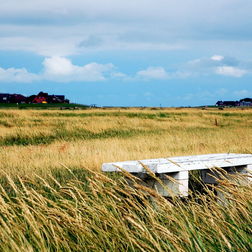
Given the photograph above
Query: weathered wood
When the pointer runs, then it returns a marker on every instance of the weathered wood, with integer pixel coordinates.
(178, 168)
(184, 163)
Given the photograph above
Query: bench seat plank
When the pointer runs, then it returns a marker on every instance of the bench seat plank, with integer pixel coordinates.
(183, 163)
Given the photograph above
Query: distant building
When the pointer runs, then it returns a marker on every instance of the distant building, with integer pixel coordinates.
(12, 98)
(41, 97)
(4, 98)
(243, 102)
(246, 102)
(46, 98)
(17, 98)
(228, 103)
(57, 99)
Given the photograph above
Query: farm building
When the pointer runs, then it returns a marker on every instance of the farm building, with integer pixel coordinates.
(4, 98)
(12, 98)
(41, 97)
(247, 102)
(46, 98)
(17, 98)
(228, 103)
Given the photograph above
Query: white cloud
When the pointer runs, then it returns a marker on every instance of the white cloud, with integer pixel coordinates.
(64, 28)
(75, 41)
(217, 58)
(58, 66)
(230, 71)
(16, 75)
(63, 70)
(158, 73)
(220, 65)
(206, 63)
(162, 10)
(119, 75)
(59, 69)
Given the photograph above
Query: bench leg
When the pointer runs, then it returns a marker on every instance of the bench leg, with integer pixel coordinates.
(176, 186)
(211, 176)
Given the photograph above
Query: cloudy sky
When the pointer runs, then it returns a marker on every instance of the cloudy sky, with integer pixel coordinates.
(128, 53)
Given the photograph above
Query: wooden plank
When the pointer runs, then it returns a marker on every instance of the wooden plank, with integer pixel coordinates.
(183, 163)
(205, 164)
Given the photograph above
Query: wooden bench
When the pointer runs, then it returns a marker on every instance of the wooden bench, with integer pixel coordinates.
(178, 169)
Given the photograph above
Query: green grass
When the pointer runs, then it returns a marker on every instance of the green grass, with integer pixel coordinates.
(41, 106)
(116, 114)
(50, 202)
(72, 135)
(80, 210)
(232, 114)
(5, 123)
(6, 115)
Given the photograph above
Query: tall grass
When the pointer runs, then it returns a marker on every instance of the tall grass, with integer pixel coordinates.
(53, 196)
(31, 141)
(89, 211)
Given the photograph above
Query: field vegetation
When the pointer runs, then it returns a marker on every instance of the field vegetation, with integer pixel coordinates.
(53, 196)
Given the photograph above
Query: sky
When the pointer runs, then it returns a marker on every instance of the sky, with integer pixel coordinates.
(128, 53)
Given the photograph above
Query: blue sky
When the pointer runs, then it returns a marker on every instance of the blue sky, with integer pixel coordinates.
(128, 53)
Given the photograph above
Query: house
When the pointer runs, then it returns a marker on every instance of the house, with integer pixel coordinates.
(17, 98)
(4, 98)
(228, 103)
(57, 99)
(246, 102)
(42, 97)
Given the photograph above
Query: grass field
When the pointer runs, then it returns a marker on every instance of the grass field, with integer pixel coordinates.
(53, 196)
(41, 106)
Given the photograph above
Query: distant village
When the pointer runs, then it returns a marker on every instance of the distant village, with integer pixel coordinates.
(246, 102)
(44, 98)
(41, 97)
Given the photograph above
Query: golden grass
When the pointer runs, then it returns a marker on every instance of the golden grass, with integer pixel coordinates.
(53, 196)
(182, 132)
(98, 213)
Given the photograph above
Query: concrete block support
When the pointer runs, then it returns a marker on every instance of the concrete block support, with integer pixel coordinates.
(211, 176)
(173, 184)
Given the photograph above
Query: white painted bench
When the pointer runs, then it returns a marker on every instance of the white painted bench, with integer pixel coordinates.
(178, 169)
